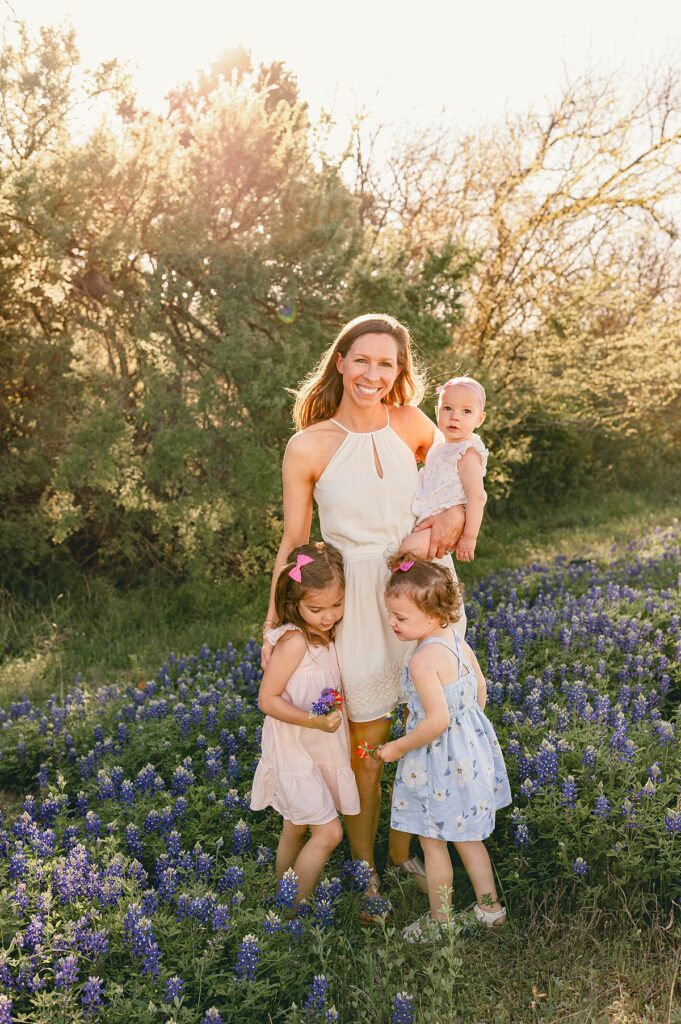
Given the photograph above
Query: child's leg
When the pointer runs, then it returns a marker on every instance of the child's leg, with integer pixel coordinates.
(416, 544)
(314, 855)
(291, 842)
(475, 859)
(440, 876)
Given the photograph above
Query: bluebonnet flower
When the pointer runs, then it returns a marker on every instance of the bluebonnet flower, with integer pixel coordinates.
(5, 1010)
(221, 919)
(601, 806)
(247, 958)
(212, 1016)
(295, 928)
(358, 872)
(316, 997)
(323, 912)
(174, 989)
(568, 792)
(287, 890)
(672, 823)
(272, 923)
(138, 934)
(589, 757)
(66, 972)
(403, 1009)
(241, 838)
(232, 879)
(580, 867)
(91, 995)
(264, 855)
(521, 832)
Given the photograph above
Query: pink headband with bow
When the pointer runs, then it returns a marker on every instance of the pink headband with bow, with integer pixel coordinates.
(465, 382)
(295, 572)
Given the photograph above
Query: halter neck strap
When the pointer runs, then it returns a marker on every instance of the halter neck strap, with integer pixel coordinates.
(332, 420)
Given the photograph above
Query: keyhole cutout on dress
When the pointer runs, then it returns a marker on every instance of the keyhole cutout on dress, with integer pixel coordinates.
(377, 461)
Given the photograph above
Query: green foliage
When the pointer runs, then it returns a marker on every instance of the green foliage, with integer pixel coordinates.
(169, 280)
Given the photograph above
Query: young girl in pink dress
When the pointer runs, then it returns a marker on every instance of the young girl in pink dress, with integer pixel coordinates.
(304, 771)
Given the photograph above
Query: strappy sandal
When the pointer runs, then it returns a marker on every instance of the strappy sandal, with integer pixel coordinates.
(414, 869)
(490, 918)
(373, 908)
(425, 929)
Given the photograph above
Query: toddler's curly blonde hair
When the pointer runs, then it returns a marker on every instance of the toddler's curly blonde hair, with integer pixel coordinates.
(429, 585)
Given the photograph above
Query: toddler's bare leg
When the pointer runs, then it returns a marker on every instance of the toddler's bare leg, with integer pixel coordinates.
(440, 876)
(475, 859)
(416, 544)
(291, 842)
(311, 860)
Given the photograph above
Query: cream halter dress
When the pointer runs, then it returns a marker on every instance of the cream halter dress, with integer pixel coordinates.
(366, 516)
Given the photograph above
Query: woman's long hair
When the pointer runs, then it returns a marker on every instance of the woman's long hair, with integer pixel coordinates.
(320, 393)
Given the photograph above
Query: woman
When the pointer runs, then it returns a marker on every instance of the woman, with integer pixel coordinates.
(355, 454)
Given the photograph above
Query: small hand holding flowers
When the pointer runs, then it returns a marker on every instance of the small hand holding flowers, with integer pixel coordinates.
(326, 710)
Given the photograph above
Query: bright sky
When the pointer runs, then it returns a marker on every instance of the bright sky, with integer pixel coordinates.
(401, 61)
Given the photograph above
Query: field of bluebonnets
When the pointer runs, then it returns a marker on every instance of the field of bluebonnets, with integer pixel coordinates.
(138, 886)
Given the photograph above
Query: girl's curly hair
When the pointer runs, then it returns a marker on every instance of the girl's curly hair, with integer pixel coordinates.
(430, 586)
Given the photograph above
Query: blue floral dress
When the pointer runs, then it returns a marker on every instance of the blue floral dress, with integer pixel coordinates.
(451, 788)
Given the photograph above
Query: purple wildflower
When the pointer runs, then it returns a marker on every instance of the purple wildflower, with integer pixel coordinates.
(580, 867)
(247, 958)
(287, 890)
(403, 1009)
(174, 989)
(316, 997)
(91, 995)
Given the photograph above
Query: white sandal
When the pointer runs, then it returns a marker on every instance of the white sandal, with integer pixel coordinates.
(490, 918)
(424, 929)
(413, 868)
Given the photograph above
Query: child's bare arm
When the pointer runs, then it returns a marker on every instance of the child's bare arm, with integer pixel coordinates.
(285, 659)
(482, 683)
(470, 471)
(423, 670)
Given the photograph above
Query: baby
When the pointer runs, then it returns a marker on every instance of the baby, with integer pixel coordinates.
(453, 471)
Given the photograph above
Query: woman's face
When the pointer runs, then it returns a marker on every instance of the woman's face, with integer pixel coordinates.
(369, 369)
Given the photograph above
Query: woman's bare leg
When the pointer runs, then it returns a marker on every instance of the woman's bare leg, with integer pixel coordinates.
(362, 827)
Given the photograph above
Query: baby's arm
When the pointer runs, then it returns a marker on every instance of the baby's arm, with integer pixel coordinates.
(286, 657)
(424, 674)
(481, 696)
(470, 471)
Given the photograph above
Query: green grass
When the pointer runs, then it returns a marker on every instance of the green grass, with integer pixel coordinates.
(549, 964)
(109, 634)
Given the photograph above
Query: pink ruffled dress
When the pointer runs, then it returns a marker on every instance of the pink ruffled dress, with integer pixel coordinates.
(305, 774)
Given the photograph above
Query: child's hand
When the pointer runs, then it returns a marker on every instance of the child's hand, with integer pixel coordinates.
(465, 549)
(327, 723)
(388, 752)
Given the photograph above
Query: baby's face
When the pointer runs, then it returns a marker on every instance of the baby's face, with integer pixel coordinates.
(458, 412)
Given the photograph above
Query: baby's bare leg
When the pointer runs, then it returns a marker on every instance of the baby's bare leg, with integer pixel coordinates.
(416, 544)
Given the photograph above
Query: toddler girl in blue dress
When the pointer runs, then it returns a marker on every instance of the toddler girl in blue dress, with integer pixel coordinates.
(451, 778)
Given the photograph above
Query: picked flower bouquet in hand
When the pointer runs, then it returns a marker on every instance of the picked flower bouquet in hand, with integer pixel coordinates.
(329, 700)
(366, 749)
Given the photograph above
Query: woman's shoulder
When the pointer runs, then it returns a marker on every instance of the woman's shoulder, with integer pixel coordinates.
(413, 426)
(310, 449)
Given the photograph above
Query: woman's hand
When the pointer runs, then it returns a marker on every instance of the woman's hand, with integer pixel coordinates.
(445, 530)
(327, 723)
(388, 752)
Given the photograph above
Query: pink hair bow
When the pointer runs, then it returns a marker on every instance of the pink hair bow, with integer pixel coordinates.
(403, 566)
(301, 560)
